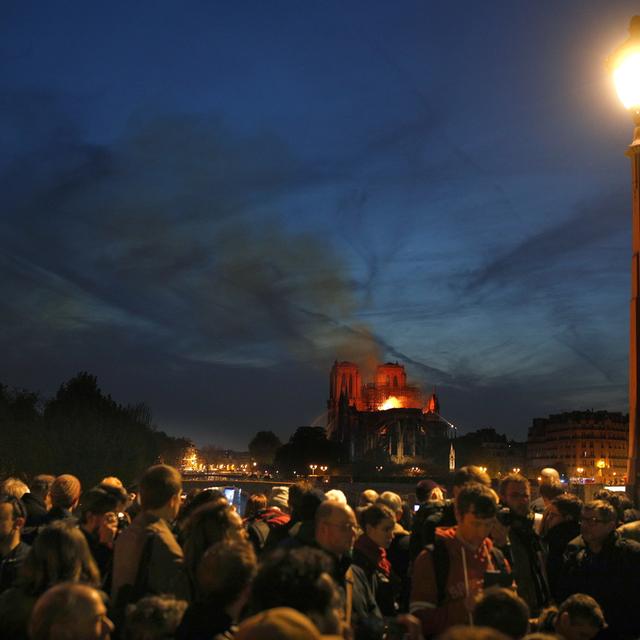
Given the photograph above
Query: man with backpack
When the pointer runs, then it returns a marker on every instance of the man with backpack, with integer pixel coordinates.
(435, 511)
(147, 557)
(449, 574)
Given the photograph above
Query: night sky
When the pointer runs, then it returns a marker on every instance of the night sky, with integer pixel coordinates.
(206, 203)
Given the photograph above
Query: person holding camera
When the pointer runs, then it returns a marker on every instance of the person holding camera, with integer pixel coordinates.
(516, 537)
(451, 573)
(99, 524)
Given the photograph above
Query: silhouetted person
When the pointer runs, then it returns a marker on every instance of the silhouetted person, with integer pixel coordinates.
(65, 495)
(70, 611)
(12, 550)
(147, 558)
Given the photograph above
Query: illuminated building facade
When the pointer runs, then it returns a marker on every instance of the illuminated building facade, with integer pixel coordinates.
(581, 444)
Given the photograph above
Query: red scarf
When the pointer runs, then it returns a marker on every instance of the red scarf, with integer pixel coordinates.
(375, 554)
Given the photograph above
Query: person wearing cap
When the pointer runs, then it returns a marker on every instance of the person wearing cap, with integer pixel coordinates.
(268, 527)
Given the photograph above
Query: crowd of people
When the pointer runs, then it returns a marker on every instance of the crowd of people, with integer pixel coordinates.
(300, 563)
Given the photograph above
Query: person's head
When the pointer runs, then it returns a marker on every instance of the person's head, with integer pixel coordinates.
(550, 491)
(70, 611)
(470, 473)
(564, 508)
(65, 492)
(281, 623)
(504, 610)
(301, 579)
(211, 523)
(296, 491)
(279, 497)
(424, 489)
(367, 497)
(378, 522)
(195, 499)
(460, 632)
(475, 510)
(112, 481)
(12, 518)
(256, 502)
(394, 502)
(154, 618)
(614, 498)
(94, 505)
(515, 493)
(337, 495)
(13, 487)
(59, 554)
(41, 487)
(549, 476)
(335, 527)
(119, 494)
(597, 522)
(160, 488)
(579, 617)
(225, 573)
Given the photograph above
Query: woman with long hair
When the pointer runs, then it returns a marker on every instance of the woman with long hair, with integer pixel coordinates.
(59, 554)
(210, 523)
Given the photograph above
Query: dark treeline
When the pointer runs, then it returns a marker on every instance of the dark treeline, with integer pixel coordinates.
(80, 431)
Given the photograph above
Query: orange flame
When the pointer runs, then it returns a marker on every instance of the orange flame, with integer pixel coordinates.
(390, 403)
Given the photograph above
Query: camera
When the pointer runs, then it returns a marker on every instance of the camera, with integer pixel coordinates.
(497, 579)
(505, 516)
(123, 520)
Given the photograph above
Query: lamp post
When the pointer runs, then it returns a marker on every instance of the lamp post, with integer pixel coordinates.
(624, 65)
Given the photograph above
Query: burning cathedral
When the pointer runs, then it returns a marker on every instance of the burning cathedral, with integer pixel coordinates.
(386, 419)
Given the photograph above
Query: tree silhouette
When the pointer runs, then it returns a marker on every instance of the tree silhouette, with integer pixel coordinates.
(81, 431)
(308, 445)
(263, 446)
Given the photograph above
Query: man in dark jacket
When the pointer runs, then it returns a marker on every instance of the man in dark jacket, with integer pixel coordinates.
(606, 567)
(12, 551)
(99, 524)
(224, 577)
(336, 533)
(516, 538)
(561, 525)
(38, 500)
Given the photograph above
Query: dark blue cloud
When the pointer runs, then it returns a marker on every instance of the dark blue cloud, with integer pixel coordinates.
(206, 206)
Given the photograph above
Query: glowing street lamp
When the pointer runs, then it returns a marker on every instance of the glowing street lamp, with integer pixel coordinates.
(313, 468)
(624, 65)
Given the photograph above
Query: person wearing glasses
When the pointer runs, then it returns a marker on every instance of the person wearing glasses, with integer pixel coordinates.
(335, 532)
(606, 567)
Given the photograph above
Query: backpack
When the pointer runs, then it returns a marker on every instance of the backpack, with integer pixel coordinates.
(129, 594)
(430, 515)
(266, 531)
(441, 566)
